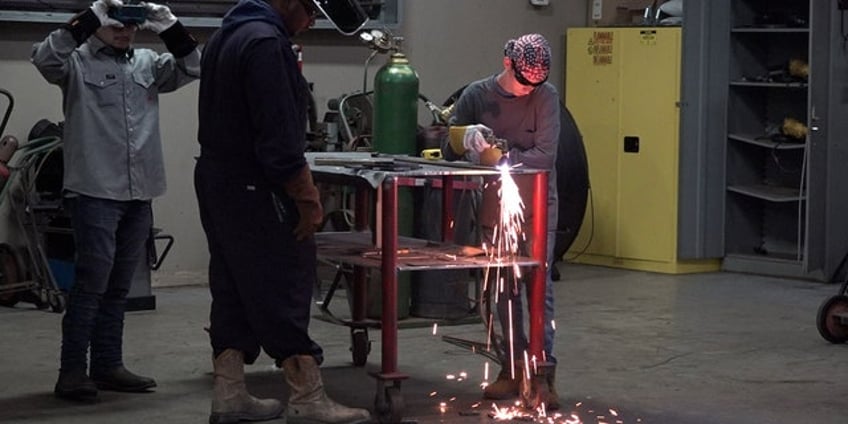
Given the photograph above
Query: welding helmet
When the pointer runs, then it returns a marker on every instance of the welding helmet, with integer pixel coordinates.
(346, 15)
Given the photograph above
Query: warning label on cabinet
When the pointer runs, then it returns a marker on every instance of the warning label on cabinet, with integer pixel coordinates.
(648, 37)
(600, 48)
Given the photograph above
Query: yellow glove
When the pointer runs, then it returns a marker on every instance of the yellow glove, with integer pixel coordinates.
(794, 128)
(469, 137)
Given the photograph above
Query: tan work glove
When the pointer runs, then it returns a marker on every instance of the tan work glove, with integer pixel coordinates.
(305, 195)
(469, 137)
(491, 156)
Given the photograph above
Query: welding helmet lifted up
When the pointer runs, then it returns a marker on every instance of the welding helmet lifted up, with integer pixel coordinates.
(346, 15)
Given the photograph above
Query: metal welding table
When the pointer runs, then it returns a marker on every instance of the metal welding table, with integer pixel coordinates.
(378, 177)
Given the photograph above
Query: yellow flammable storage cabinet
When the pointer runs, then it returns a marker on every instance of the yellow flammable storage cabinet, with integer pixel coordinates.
(623, 88)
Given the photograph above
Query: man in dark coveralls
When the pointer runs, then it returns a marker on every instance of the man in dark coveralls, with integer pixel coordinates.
(260, 209)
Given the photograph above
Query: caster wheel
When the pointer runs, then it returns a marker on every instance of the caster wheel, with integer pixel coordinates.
(57, 302)
(830, 318)
(360, 346)
(390, 406)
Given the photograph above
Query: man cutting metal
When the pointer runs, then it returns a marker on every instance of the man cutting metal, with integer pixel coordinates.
(512, 118)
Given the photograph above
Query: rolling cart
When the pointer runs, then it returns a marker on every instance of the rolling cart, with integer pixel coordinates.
(376, 179)
(27, 270)
(24, 273)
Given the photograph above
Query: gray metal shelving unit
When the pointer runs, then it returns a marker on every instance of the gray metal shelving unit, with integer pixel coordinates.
(766, 205)
(783, 198)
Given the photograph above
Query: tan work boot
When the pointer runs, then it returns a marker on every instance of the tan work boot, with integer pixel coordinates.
(231, 402)
(308, 401)
(552, 398)
(505, 386)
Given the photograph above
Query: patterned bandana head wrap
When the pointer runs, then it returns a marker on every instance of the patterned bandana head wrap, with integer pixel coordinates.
(531, 57)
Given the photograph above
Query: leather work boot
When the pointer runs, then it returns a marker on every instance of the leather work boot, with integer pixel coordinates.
(308, 401)
(75, 385)
(120, 379)
(552, 398)
(505, 387)
(231, 402)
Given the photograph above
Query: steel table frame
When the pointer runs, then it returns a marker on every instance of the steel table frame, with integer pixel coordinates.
(338, 168)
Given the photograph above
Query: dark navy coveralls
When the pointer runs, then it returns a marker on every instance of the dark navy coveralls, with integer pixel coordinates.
(252, 114)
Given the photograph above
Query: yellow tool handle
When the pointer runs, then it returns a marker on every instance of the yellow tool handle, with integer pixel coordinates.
(431, 154)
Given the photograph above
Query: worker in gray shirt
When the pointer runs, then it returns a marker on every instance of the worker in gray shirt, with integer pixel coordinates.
(519, 105)
(113, 168)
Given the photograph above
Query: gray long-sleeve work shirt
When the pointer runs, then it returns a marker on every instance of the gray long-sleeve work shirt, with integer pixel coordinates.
(111, 143)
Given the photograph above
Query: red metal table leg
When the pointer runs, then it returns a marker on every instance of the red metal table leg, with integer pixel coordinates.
(538, 251)
(389, 274)
(447, 208)
(534, 392)
(389, 403)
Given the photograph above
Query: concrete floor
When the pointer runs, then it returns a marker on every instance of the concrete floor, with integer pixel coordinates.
(709, 348)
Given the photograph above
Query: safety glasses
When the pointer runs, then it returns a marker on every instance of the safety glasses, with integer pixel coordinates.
(524, 81)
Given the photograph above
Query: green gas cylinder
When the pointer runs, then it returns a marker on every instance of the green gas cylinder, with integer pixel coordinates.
(394, 126)
(395, 107)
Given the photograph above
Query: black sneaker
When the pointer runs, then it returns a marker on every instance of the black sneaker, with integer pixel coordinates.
(121, 380)
(75, 385)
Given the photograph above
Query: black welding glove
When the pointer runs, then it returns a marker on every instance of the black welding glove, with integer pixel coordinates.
(305, 195)
(162, 21)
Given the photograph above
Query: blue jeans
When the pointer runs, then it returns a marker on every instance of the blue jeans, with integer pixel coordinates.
(109, 238)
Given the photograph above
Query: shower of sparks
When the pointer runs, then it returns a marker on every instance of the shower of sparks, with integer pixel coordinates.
(516, 413)
(509, 234)
(504, 274)
(506, 240)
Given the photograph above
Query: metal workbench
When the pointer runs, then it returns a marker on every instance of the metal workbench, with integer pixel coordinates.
(376, 179)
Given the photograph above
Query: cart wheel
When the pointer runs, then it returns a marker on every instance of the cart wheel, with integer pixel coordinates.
(829, 321)
(9, 274)
(389, 405)
(360, 346)
(57, 301)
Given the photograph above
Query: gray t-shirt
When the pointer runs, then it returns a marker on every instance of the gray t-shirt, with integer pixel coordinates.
(530, 124)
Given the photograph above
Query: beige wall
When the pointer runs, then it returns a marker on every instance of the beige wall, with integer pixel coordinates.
(449, 43)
